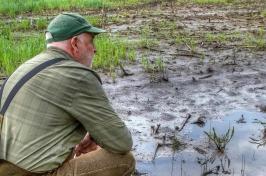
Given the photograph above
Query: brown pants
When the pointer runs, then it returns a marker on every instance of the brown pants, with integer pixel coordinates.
(97, 163)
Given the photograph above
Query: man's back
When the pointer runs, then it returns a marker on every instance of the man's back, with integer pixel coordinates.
(36, 124)
(53, 111)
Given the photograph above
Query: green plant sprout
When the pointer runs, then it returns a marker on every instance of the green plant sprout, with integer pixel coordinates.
(220, 141)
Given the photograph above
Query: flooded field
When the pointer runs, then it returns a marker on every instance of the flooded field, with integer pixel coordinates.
(244, 155)
(194, 67)
(206, 81)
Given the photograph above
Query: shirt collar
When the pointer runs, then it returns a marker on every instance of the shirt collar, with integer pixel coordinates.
(60, 51)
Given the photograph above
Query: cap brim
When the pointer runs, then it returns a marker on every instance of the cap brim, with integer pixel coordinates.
(95, 30)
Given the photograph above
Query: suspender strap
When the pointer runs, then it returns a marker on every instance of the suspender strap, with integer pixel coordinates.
(1, 89)
(23, 80)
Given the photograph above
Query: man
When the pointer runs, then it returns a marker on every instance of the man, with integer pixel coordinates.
(44, 125)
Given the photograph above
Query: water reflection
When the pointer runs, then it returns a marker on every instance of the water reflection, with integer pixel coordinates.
(261, 139)
(244, 155)
(214, 164)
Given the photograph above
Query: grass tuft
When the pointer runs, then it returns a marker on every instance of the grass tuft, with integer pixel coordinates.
(13, 51)
(220, 141)
(256, 40)
(263, 13)
(111, 51)
(15, 7)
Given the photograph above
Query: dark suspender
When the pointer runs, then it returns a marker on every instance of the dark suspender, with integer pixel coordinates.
(1, 89)
(22, 81)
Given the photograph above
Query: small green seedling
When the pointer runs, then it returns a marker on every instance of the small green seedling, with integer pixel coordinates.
(220, 141)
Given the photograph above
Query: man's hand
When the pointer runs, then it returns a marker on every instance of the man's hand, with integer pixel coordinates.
(85, 146)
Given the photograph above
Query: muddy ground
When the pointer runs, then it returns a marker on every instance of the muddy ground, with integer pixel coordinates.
(231, 77)
(200, 81)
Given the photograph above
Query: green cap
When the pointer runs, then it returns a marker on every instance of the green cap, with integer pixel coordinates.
(67, 25)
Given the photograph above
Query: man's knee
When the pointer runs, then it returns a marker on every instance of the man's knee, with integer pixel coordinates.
(130, 160)
(127, 159)
(104, 163)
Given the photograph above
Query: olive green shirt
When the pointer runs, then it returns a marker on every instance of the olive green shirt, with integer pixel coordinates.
(53, 111)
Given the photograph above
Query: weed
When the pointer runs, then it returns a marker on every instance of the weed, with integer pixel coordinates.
(261, 140)
(223, 38)
(14, 52)
(157, 69)
(213, 1)
(202, 58)
(222, 140)
(263, 13)
(14, 7)
(176, 144)
(220, 38)
(23, 25)
(187, 40)
(151, 66)
(159, 65)
(94, 20)
(41, 23)
(111, 51)
(204, 2)
(131, 55)
(146, 41)
(6, 32)
(146, 64)
(167, 25)
(256, 40)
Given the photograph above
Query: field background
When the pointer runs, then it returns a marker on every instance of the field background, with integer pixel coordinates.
(161, 62)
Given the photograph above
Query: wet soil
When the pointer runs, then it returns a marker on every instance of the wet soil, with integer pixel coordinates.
(210, 84)
(244, 154)
(158, 107)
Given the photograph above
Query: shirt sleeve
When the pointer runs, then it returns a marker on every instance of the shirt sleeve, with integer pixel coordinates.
(92, 109)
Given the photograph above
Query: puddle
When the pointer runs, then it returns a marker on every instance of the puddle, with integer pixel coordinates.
(240, 158)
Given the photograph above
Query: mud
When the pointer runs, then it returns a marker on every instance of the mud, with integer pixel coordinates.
(209, 83)
(230, 77)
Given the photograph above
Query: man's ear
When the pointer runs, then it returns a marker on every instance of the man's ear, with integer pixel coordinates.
(74, 44)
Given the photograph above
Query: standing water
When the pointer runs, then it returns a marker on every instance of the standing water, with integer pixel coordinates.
(244, 155)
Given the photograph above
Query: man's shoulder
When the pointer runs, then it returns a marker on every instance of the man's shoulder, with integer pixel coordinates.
(67, 69)
(77, 70)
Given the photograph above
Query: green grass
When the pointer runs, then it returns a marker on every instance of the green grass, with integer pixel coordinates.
(207, 2)
(15, 7)
(111, 51)
(213, 1)
(94, 20)
(177, 144)
(37, 24)
(41, 24)
(222, 140)
(13, 51)
(152, 66)
(263, 13)
(25, 24)
(146, 40)
(256, 40)
(222, 38)
(189, 41)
